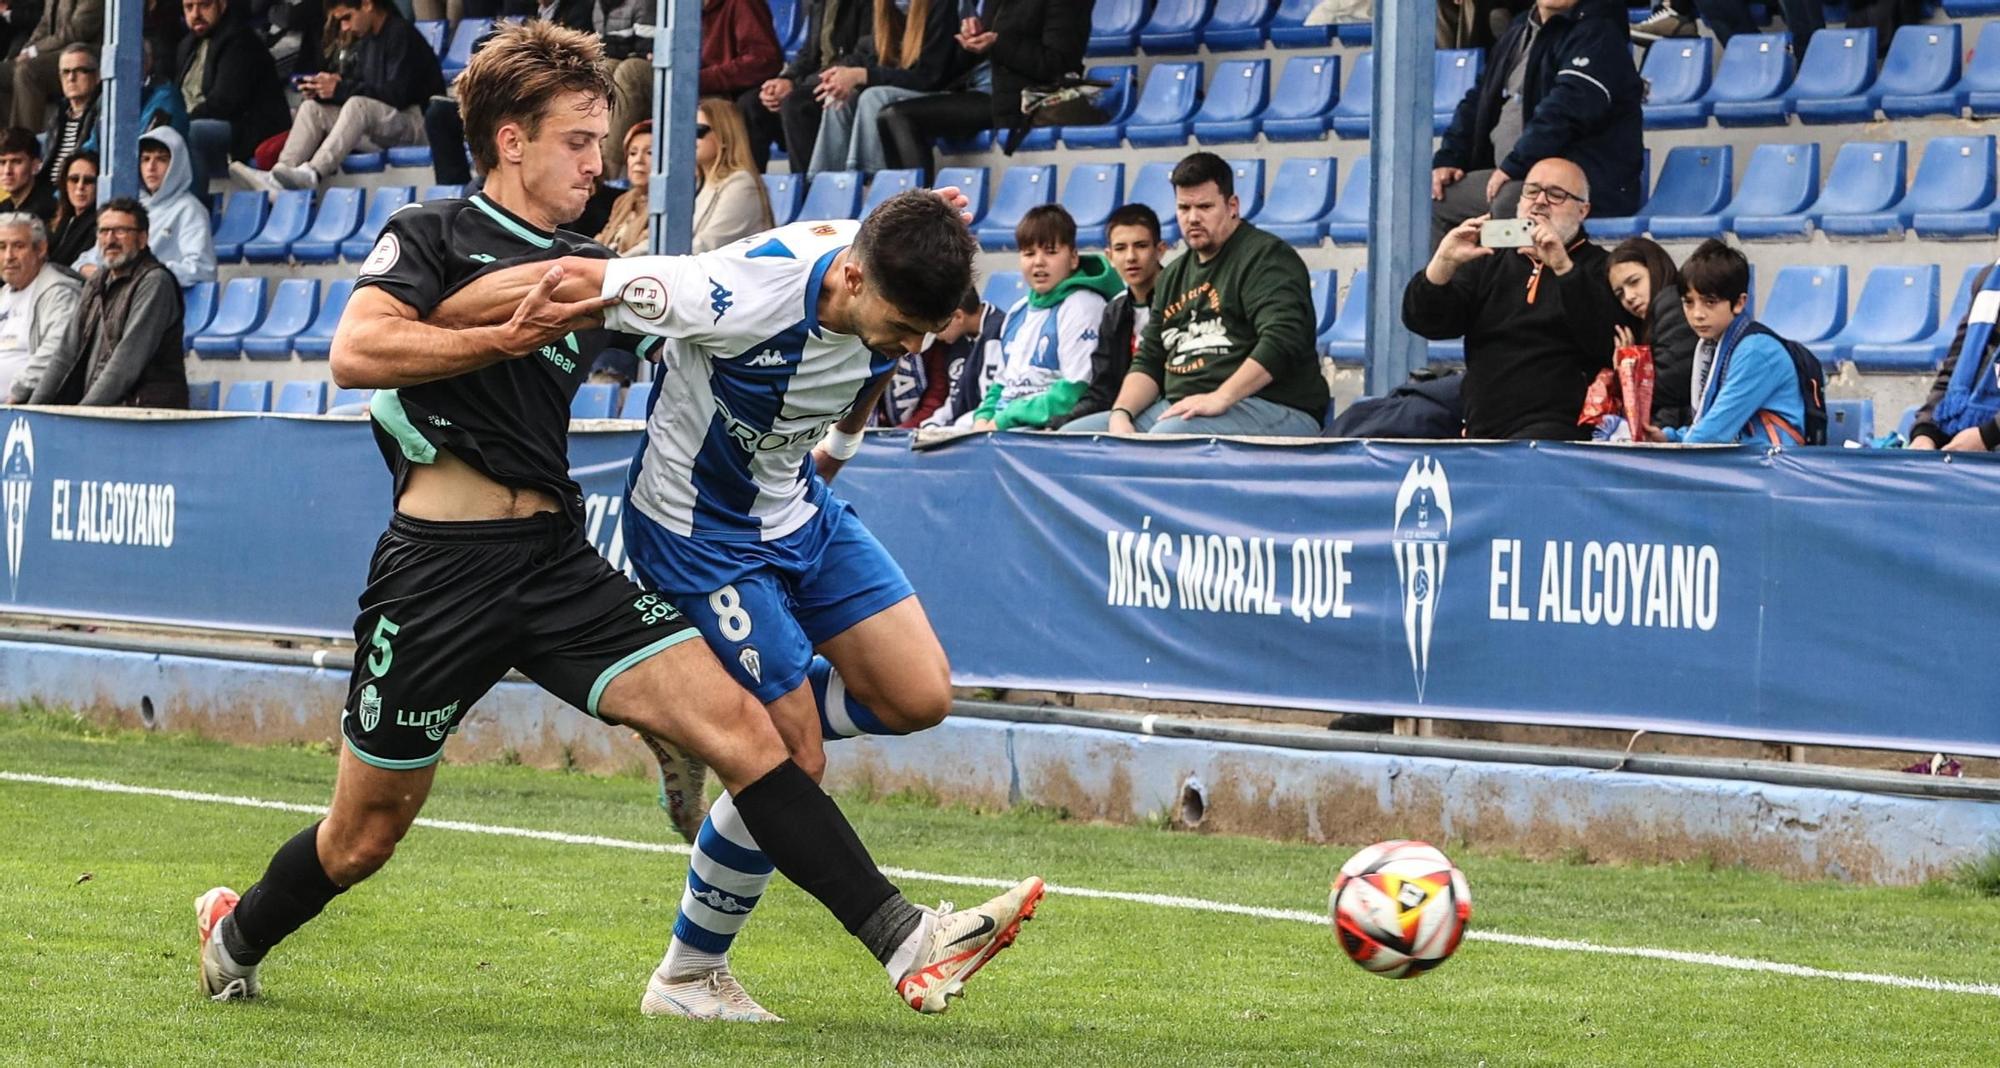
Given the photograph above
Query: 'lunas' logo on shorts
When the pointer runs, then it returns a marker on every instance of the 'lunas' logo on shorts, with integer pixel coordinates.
(435, 724)
(371, 708)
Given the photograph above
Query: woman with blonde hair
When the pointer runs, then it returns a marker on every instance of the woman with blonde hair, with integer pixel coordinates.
(913, 57)
(625, 232)
(731, 202)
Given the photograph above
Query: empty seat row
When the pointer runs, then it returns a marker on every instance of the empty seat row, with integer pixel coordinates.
(249, 317)
(1170, 27)
(288, 398)
(261, 227)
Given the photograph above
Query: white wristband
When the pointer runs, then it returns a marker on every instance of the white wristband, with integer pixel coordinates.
(841, 445)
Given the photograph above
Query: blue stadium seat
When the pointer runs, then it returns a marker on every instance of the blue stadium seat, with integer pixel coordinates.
(968, 180)
(349, 401)
(1302, 195)
(1166, 104)
(301, 398)
(1927, 352)
(242, 216)
(198, 308)
(1152, 188)
(637, 396)
(204, 396)
(1981, 79)
(1807, 304)
(1834, 80)
(364, 163)
(1350, 115)
(786, 192)
(1966, 9)
(1288, 28)
(1248, 178)
(1114, 27)
(1951, 195)
(408, 156)
(338, 217)
(247, 397)
(433, 32)
(315, 342)
(238, 310)
(1455, 72)
(832, 195)
(1325, 294)
(1867, 178)
(1346, 341)
(1676, 74)
(1003, 288)
(291, 312)
(1091, 193)
(1348, 225)
(1920, 74)
(1021, 188)
(1175, 26)
(1898, 305)
(1117, 102)
(1779, 184)
(383, 203)
(459, 52)
(1302, 103)
(1236, 25)
(1850, 420)
(887, 184)
(1235, 97)
(1749, 86)
(594, 400)
(1693, 183)
(969, 145)
(449, 191)
(291, 210)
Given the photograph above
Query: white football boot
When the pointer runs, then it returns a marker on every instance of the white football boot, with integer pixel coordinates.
(712, 995)
(222, 979)
(953, 945)
(683, 785)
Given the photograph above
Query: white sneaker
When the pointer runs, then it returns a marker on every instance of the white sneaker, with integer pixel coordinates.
(683, 786)
(222, 979)
(251, 178)
(1663, 23)
(295, 177)
(712, 995)
(958, 944)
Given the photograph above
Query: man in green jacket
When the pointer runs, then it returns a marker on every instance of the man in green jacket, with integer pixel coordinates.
(1229, 348)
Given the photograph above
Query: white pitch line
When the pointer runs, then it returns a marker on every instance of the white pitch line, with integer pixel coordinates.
(1560, 945)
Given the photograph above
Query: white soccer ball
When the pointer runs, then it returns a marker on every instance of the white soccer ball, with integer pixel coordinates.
(1399, 908)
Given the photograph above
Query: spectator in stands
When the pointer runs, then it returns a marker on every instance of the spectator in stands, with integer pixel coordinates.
(1537, 321)
(912, 58)
(160, 103)
(785, 108)
(123, 346)
(371, 104)
(1647, 285)
(73, 232)
(1463, 23)
(625, 232)
(1050, 332)
(739, 53)
(732, 202)
(20, 163)
(1962, 412)
(179, 237)
(33, 72)
(1132, 244)
(920, 386)
(235, 100)
(1745, 385)
(1803, 18)
(1229, 346)
(35, 307)
(972, 363)
(17, 23)
(1561, 83)
(74, 125)
(1014, 45)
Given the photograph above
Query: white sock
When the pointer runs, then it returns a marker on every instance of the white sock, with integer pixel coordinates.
(684, 961)
(905, 957)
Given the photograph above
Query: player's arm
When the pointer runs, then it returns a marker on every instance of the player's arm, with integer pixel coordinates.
(381, 342)
(844, 440)
(493, 298)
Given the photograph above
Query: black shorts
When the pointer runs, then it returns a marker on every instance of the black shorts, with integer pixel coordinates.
(451, 606)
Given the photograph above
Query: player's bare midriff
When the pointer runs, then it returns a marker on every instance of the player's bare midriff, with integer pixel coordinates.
(453, 491)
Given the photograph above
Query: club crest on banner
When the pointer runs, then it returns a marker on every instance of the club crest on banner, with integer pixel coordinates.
(1422, 539)
(17, 485)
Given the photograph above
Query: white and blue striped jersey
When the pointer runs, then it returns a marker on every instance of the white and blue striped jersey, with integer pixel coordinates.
(747, 382)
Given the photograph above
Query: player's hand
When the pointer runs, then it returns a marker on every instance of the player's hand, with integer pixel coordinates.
(1201, 405)
(541, 319)
(826, 465)
(1442, 178)
(953, 197)
(1967, 440)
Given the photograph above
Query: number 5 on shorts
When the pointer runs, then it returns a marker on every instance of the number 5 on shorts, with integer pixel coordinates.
(729, 613)
(383, 656)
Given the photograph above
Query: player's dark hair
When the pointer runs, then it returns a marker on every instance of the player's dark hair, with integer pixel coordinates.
(918, 254)
(1716, 271)
(1133, 215)
(1203, 167)
(971, 301)
(1046, 226)
(19, 139)
(127, 206)
(521, 70)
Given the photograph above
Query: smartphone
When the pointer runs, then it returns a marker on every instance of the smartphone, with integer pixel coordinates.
(1507, 233)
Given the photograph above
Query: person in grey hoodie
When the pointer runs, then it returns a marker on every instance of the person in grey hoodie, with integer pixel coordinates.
(35, 306)
(179, 237)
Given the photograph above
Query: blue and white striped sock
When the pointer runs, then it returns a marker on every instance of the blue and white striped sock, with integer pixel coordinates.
(840, 715)
(726, 876)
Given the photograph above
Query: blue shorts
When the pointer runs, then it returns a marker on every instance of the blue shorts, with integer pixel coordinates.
(764, 606)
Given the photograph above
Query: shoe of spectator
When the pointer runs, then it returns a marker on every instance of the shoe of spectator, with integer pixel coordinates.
(295, 177)
(251, 178)
(1663, 23)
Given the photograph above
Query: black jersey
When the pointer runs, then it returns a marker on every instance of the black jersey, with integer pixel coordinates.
(509, 420)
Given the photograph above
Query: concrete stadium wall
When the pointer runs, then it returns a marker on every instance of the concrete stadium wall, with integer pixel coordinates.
(1215, 786)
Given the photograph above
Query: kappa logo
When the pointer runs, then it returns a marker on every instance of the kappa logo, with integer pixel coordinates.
(371, 708)
(752, 663)
(1581, 61)
(719, 299)
(17, 488)
(768, 358)
(1422, 538)
(719, 901)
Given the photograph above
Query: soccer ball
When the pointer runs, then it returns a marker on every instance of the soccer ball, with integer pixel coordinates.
(1399, 908)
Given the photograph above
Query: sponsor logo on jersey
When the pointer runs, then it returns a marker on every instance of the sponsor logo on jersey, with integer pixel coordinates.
(824, 230)
(479, 257)
(645, 297)
(384, 256)
(752, 663)
(370, 708)
(1422, 536)
(719, 299)
(768, 358)
(17, 487)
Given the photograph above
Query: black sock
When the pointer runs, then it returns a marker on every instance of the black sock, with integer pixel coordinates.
(293, 890)
(807, 838)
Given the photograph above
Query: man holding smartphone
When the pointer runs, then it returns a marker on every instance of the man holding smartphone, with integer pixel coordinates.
(1535, 308)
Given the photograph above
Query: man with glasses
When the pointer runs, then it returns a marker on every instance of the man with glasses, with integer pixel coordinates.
(1537, 320)
(71, 126)
(1559, 83)
(123, 347)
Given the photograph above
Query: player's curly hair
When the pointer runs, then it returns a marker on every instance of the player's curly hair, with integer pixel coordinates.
(516, 74)
(918, 254)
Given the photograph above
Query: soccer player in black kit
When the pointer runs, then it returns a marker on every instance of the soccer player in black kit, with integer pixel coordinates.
(485, 567)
